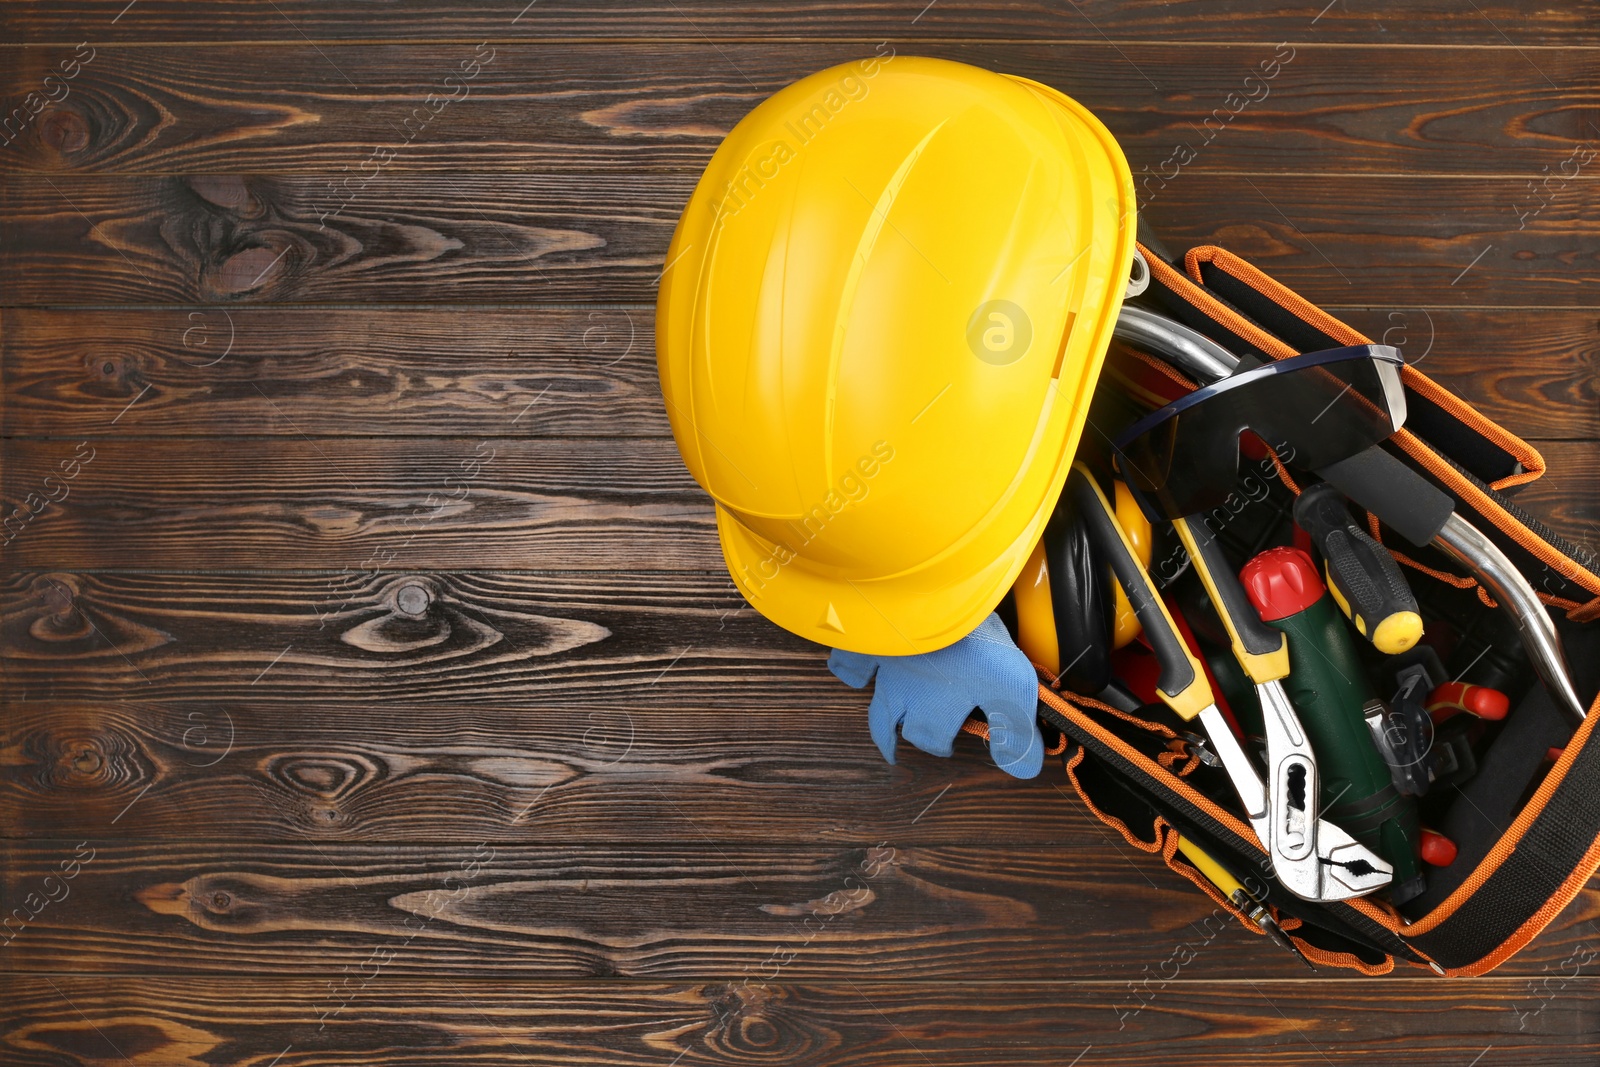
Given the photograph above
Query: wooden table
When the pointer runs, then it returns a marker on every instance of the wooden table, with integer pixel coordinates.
(374, 692)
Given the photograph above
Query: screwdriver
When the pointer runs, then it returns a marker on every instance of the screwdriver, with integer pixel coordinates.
(1363, 578)
(1231, 888)
(1326, 683)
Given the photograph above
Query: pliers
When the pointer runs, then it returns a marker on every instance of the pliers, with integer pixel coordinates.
(1312, 858)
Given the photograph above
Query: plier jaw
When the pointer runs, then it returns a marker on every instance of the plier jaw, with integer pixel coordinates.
(1312, 857)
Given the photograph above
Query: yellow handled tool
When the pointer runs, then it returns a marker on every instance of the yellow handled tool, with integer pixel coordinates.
(1182, 685)
(1230, 887)
(1313, 858)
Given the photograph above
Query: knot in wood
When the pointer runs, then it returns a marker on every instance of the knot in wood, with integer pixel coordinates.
(413, 599)
(64, 130)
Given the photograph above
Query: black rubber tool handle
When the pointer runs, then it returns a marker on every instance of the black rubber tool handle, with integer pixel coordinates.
(1364, 579)
(1404, 500)
(1182, 685)
(1260, 648)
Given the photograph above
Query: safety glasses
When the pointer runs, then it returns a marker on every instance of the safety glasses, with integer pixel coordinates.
(1313, 410)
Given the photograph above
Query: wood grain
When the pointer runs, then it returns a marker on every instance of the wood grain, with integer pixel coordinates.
(562, 371)
(224, 372)
(1096, 910)
(1562, 498)
(507, 771)
(352, 110)
(488, 503)
(1492, 23)
(89, 1020)
(157, 239)
(560, 238)
(512, 776)
(578, 640)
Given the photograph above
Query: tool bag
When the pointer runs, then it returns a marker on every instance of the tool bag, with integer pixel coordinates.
(1143, 779)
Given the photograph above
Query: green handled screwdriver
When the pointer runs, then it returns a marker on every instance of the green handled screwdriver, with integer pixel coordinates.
(1327, 683)
(1309, 848)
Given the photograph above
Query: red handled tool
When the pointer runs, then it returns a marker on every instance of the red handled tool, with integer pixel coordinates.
(1455, 698)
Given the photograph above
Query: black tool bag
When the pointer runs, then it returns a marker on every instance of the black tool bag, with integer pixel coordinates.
(1538, 838)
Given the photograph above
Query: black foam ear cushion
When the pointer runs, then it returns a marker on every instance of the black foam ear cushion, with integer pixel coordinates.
(1080, 593)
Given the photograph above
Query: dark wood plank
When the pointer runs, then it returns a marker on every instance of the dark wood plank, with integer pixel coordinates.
(1563, 497)
(402, 1020)
(1494, 23)
(349, 111)
(648, 911)
(504, 503)
(590, 237)
(156, 239)
(506, 772)
(228, 372)
(1091, 908)
(576, 640)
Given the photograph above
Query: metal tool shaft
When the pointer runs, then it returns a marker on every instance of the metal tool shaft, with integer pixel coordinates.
(1189, 350)
(1466, 544)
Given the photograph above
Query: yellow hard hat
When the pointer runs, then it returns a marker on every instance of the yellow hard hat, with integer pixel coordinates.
(881, 320)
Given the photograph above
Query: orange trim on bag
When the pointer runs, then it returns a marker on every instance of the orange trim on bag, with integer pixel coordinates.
(1175, 861)
(1570, 888)
(1133, 755)
(1507, 844)
(1458, 581)
(1587, 613)
(1109, 820)
(979, 728)
(1342, 959)
(1283, 472)
(1408, 442)
(1327, 957)
(1128, 717)
(1503, 520)
(1169, 852)
(1532, 461)
(1171, 760)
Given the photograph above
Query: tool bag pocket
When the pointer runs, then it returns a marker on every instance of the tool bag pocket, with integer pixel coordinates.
(1495, 898)
(1115, 763)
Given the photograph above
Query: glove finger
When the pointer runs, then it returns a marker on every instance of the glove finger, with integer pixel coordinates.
(884, 716)
(933, 718)
(852, 668)
(1015, 744)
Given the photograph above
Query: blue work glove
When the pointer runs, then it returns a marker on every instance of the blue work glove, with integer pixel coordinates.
(927, 697)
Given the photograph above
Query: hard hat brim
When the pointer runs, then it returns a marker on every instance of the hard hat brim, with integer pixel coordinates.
(902, 615)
